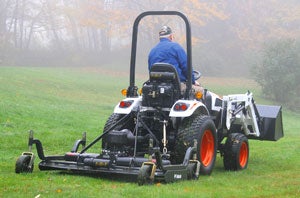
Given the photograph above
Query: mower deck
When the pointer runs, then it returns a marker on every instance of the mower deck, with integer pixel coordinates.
(147, 170)
(169, 174)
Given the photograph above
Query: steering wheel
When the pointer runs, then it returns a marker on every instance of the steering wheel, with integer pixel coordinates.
(196, 74)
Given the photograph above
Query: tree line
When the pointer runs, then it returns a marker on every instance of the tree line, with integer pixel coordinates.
(69, 28)
(279, 72)
(82, 31)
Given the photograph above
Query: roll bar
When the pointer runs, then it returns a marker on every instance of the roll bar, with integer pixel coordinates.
(132, 88)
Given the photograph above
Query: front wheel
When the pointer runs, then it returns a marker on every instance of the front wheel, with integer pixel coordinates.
(202, 129)
(236, 153)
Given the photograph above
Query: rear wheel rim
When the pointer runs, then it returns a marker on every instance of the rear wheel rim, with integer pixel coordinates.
(207, 147)
(243, 155)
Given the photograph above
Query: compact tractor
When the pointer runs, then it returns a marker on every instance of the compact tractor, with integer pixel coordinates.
(164, 133)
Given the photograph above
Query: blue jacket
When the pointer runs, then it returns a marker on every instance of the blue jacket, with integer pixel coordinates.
(170, 52)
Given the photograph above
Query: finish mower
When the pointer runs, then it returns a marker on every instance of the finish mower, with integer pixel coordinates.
(165, 135)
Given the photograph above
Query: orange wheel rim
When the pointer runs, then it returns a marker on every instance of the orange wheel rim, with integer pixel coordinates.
(207, 148)
(243, 154)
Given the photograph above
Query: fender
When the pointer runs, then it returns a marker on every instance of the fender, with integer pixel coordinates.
(127, 105)
(189, 107)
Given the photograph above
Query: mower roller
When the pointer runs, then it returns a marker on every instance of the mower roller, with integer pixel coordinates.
(164, 134)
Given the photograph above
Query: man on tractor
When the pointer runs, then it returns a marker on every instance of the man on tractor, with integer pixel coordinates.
(168, 51)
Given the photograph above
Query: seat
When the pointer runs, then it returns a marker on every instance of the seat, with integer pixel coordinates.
(163, 87)
(165, 72)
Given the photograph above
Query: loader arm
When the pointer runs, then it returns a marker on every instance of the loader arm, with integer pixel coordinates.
(241, 110)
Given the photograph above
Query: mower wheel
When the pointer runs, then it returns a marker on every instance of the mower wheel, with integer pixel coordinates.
(236, 153)
(22, 164)
(202, 129)
(144, 175)
(192, 171)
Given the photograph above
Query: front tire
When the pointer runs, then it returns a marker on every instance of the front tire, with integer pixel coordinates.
(202, 129)
(236, 153)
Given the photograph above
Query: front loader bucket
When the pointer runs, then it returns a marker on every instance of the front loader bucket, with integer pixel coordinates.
(271, 122)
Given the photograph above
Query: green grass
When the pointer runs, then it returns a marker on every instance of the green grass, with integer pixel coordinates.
(60, 103)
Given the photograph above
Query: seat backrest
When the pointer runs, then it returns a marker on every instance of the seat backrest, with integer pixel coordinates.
(165, 72)
(163, 87)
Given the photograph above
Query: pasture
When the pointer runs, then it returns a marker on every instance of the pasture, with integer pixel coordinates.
(58, 104)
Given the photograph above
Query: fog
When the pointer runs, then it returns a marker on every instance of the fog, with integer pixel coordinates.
(228, 36)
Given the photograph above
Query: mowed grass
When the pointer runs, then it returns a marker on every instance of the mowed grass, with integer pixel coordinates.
(61, 103)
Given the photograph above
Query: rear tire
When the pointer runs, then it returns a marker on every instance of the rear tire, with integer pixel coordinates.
(22, 164)
(113, 118)
(236, 153)
(202, 129)
(128, 123)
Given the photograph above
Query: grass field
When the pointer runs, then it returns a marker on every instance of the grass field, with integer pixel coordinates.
(61, 103)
